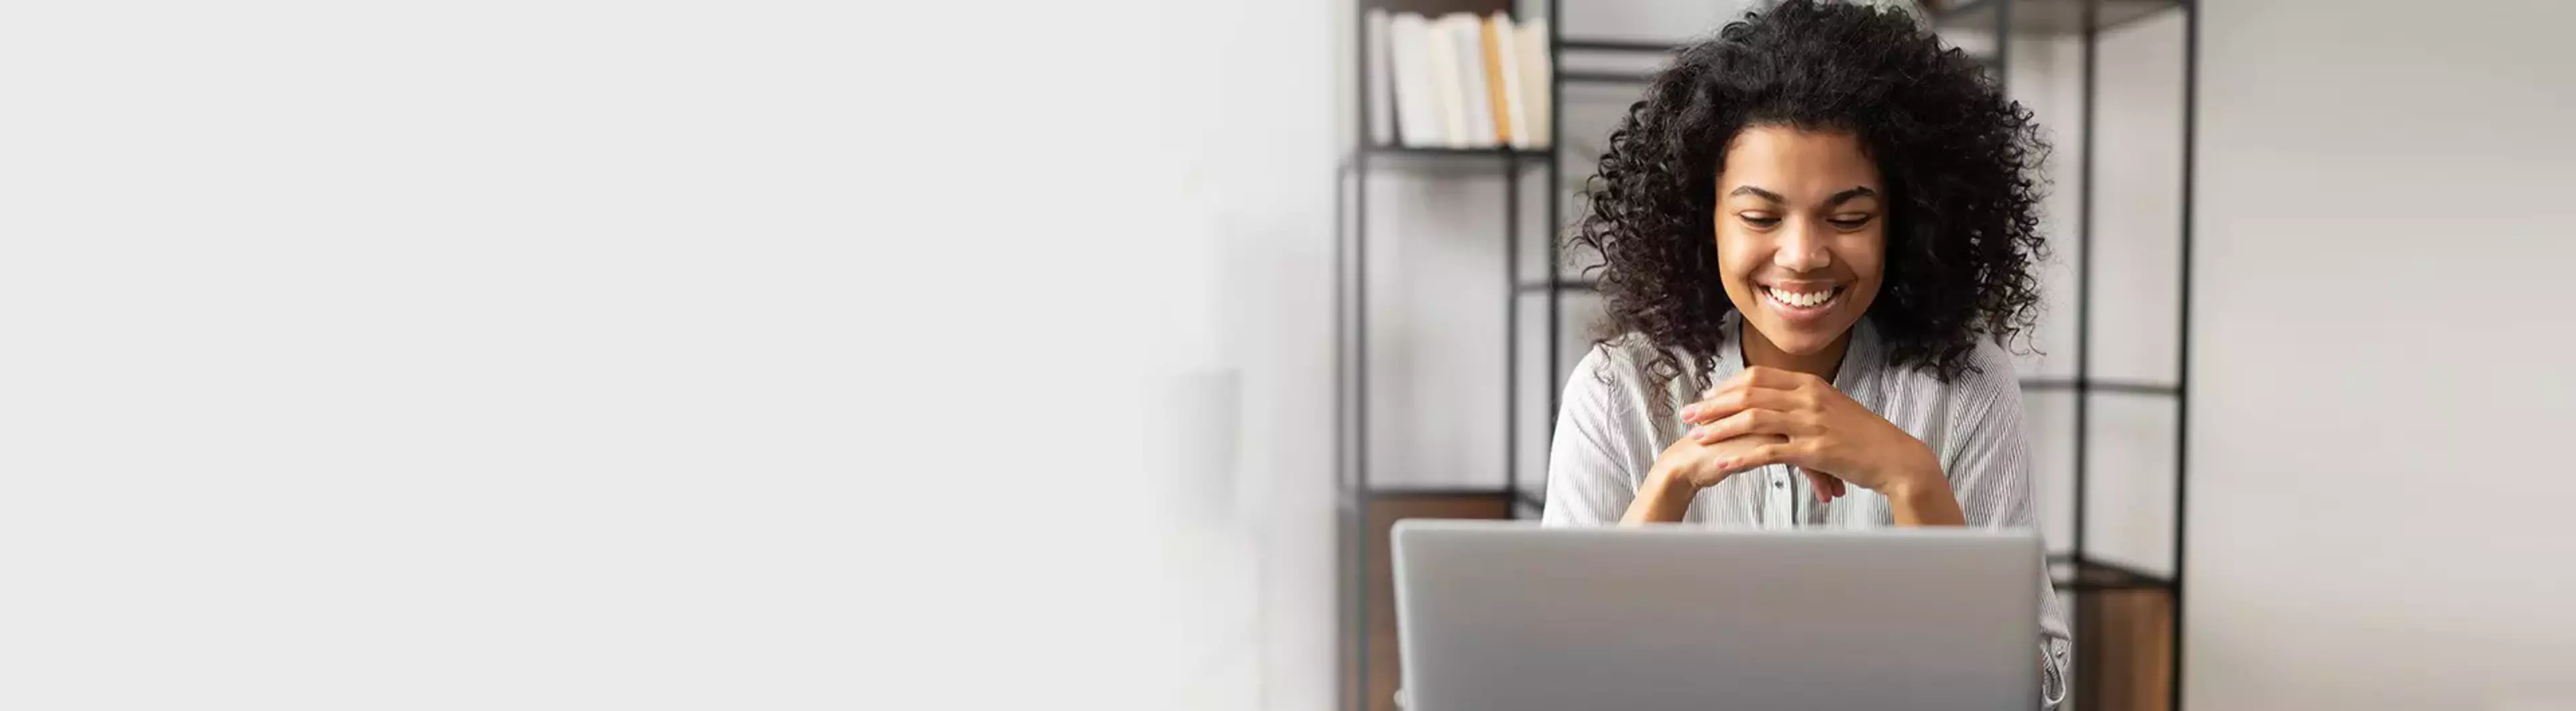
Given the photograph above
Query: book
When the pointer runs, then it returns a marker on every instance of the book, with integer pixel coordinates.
(1502, 61)
(1381, 92)
(1443, 51)
(1417, 117)
(1468, 40)
(1538, 90)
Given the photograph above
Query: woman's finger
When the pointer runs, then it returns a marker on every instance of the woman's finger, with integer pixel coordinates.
(1736, 465)
(1790, 453)
(1726, 403)
(1751, 421)
(1735, 456)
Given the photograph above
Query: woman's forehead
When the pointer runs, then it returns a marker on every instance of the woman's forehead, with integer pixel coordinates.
(1797, 165)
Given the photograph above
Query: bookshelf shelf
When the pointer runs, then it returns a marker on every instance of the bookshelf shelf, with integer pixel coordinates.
(1449, 162)
(1598, 77)
(2085, 574)
(1578, 285)
(2049, 17)
(2122, 387)
(1615, 45)
(1392, 493)
(1411, 151)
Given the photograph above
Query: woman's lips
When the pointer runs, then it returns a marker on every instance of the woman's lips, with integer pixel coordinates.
(1800, 302)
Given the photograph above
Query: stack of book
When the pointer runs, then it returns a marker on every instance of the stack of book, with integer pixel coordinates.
(1457, 81)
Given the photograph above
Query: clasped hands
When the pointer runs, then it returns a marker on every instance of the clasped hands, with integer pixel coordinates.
(1764, 416)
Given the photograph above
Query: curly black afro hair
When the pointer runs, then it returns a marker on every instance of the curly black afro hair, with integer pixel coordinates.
(1959, 161)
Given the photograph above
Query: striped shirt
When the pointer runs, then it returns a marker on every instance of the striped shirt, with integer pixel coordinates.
(1607, 437)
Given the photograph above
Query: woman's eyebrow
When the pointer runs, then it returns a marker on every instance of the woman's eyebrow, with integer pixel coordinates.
(1850, 195)
(1855, 193)
(1760, 193)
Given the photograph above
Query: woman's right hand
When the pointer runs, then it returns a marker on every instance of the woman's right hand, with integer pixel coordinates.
(1700, 466)
(1682, 470)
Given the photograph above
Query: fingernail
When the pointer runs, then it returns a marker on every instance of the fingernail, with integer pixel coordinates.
(1689, 412)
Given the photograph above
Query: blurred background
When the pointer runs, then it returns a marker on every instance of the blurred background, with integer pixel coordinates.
(1008, 355)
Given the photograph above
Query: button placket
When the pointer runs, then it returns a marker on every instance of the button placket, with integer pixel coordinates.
(1780, 512)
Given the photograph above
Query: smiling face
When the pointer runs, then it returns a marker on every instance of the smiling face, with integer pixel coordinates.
(1801, 239)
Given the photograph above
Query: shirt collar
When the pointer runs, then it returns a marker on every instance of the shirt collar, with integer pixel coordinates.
(1862, 360)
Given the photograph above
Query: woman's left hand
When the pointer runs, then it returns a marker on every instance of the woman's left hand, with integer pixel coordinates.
(1828, 433)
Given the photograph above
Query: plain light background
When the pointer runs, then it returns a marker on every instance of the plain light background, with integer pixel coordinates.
(595, 355)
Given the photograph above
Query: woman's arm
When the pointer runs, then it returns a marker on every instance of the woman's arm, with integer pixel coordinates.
(1922, 497)
(1682, 471)
(1589, 461)
(1663, 499)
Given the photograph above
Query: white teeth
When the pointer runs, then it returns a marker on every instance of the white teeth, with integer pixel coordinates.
(1801, 299)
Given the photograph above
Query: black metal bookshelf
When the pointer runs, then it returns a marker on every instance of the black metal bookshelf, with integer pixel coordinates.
(2075, 570)
(2078, 569)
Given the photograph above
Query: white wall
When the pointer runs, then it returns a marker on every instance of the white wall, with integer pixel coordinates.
(1251, 560)
(1275, 72)
(682, 356)
(2378, 516)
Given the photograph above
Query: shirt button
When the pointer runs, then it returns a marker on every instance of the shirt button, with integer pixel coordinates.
(1777, 484)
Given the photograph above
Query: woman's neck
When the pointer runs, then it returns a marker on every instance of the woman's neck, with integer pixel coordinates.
(1758, 351)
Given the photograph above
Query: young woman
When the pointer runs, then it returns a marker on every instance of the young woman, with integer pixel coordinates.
(1817, 231)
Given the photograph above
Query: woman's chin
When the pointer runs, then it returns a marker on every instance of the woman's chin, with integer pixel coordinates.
(1799, 339)
(1804, 344)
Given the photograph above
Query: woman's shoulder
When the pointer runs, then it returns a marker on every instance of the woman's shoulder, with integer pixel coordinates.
(1625, 350)
(1622, 370)
(1971, 394)
(1989, 371)
(1621, 360)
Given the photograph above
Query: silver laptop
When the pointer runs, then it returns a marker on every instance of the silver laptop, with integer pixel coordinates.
(1506, 616)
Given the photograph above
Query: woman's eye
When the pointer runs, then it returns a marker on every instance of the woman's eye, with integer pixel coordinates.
(1757, 220)
(1849, 223)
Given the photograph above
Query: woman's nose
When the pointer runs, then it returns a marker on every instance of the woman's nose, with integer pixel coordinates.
(1801, 249)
